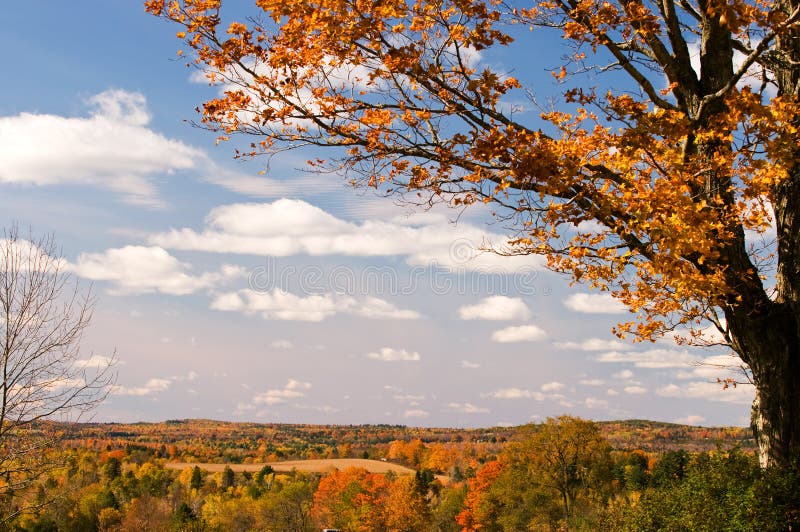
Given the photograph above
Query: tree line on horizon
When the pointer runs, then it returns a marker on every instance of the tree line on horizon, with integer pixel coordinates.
(562, 474)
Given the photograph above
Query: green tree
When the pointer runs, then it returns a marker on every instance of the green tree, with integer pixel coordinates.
(289, 507)
(196, 482)
(556, 473)
(228, 478)
(112, 468)
(263, 473)
(715, 494)
(444, 508)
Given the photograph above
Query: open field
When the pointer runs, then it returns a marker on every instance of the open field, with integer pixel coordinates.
(310, 466)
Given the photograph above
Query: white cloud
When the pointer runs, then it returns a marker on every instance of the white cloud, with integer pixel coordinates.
(594, 344)
(592, 382)
(593, 402)
(288, 227)
(154, 385)
(387, 354)
(416, 414)
(293, 389)
(282, 344)
(413, 399)
(192, 375)
(611, 392)
(150, 387)
(515, 393)
(112, 148)
(466, 364)
(552, 386)
(523, 333)
(293, 384)
(139, 269)
(281, 305)
(711, 391)
(496, 308)
(624, 374)
(325, 409)
(591, 226)
(718, 367)
(465, 408)
(95, 362)
(594, 304)
(654, 358)
(706, 336)
(634, 390)
(691, 419)
(265, 187)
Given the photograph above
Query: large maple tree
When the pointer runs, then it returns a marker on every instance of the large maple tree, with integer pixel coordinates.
(680, 172)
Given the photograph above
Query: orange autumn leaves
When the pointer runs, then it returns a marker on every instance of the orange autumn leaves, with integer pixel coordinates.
(356, 500)
(643, 194)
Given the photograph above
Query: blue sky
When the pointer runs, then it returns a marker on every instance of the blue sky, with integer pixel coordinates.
(287, 296)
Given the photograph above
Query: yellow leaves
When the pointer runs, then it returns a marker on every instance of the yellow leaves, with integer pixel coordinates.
(377, 117)
(154, 7)
(237, 28)
(418, 24)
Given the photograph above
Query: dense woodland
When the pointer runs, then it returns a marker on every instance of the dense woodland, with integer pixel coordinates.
(564, 474)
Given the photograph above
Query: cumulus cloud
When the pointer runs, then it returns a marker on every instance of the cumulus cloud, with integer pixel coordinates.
(282, 344)
(521, 393)
(95, 362)
(140, 269)
(289, 227)
(265, 187)
(592, 382)
(416, 414)
(634, 390)
(465, 408)
(387, 354)
(523, 333)
(715, 367)
(593, 402)
(706, 336)
(278, 304)
(408, 398)
(515, 393)
(594, 344)
(293, 389)
(466, 364)
(711, 391)
(496, 308)
(150, 387)
(594, 304)
(691, 419)
(112, 148)
(653, 358)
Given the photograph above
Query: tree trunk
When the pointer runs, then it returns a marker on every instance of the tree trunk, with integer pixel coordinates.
(770, 344)
(764, 327)
(766, 333)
